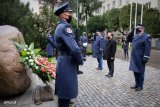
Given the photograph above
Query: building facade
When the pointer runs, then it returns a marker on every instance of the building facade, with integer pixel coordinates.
(110, 4)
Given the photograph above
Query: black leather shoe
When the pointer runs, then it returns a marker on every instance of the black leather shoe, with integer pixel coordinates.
(109, 76)
(138, 89)
(79, 72)
(134, 87)
(71, 102)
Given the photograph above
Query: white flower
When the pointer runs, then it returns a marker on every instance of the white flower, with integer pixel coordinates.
(32, 52)
(30, 60)
(36, 67)
(26, 45)
(28, 53)
(25, 49)
(27, 58)
(32, 63)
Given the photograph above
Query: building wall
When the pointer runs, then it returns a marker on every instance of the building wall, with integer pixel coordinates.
(34, 5)
(110, 4)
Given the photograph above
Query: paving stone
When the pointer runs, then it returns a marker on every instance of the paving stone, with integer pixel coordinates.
(96, 90)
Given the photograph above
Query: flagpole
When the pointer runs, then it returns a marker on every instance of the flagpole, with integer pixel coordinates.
(142, 13)
(130, 17)
(135, 22)
(77, 14)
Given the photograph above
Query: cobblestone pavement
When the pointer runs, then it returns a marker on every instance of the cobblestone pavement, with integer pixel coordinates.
(153, 61)
(96, 90)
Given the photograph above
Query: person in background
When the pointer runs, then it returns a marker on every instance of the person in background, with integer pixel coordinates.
(140, 54)
(125, 45)
(110, 52)
(98, 50)
(83, 44)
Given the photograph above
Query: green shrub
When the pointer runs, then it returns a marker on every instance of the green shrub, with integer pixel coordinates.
(89, 52)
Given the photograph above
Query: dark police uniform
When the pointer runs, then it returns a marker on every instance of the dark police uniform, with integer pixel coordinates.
(83, 39)
(50, 45)
(140, 54)
(97, 48)
(66, 84)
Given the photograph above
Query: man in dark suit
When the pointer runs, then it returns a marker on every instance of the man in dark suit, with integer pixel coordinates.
(109, 53)
(140, 54)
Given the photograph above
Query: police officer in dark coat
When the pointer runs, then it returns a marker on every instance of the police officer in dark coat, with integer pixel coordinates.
(110, 52)
(140, 54)
(50, 44)
(66, 84)
(49, 48)
(98, 50)
(83, 43)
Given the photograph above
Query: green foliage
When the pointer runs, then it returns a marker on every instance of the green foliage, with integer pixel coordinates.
(89, 51)
(74, 23)
(95, 23)
(152, 22)
(124, 17)
(33, 26)
(89, 6)
(12, 11)
(113, 19)
(119, 19)
(82, 29)
(39, 65)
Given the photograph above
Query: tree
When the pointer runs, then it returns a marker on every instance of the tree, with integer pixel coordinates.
(113, 19)
(152, 21)
(89, 6)
(95, 23)
(12, 11)
(124, 16)
(32, 26)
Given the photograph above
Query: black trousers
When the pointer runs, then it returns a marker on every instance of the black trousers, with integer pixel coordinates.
(139, 79)
(110, 64)
(84, 51)
(63, 102)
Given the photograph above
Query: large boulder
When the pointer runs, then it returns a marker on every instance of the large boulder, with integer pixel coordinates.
(13, 76)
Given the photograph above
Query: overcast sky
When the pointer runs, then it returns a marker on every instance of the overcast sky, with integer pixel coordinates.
(34, 5)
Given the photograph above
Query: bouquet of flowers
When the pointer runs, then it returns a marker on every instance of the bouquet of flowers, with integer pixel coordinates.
(40, 66)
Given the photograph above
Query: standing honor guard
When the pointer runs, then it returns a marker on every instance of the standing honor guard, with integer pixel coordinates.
(140, 54)
(66, 84)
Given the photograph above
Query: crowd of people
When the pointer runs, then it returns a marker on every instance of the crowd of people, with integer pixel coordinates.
(72, 54)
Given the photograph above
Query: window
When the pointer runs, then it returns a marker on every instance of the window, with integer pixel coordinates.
(127, 1)
(104, 9)
(98, 11)
(108, 6)
(113, 4)
(148, 5)
(120, 2)
(159, 5)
